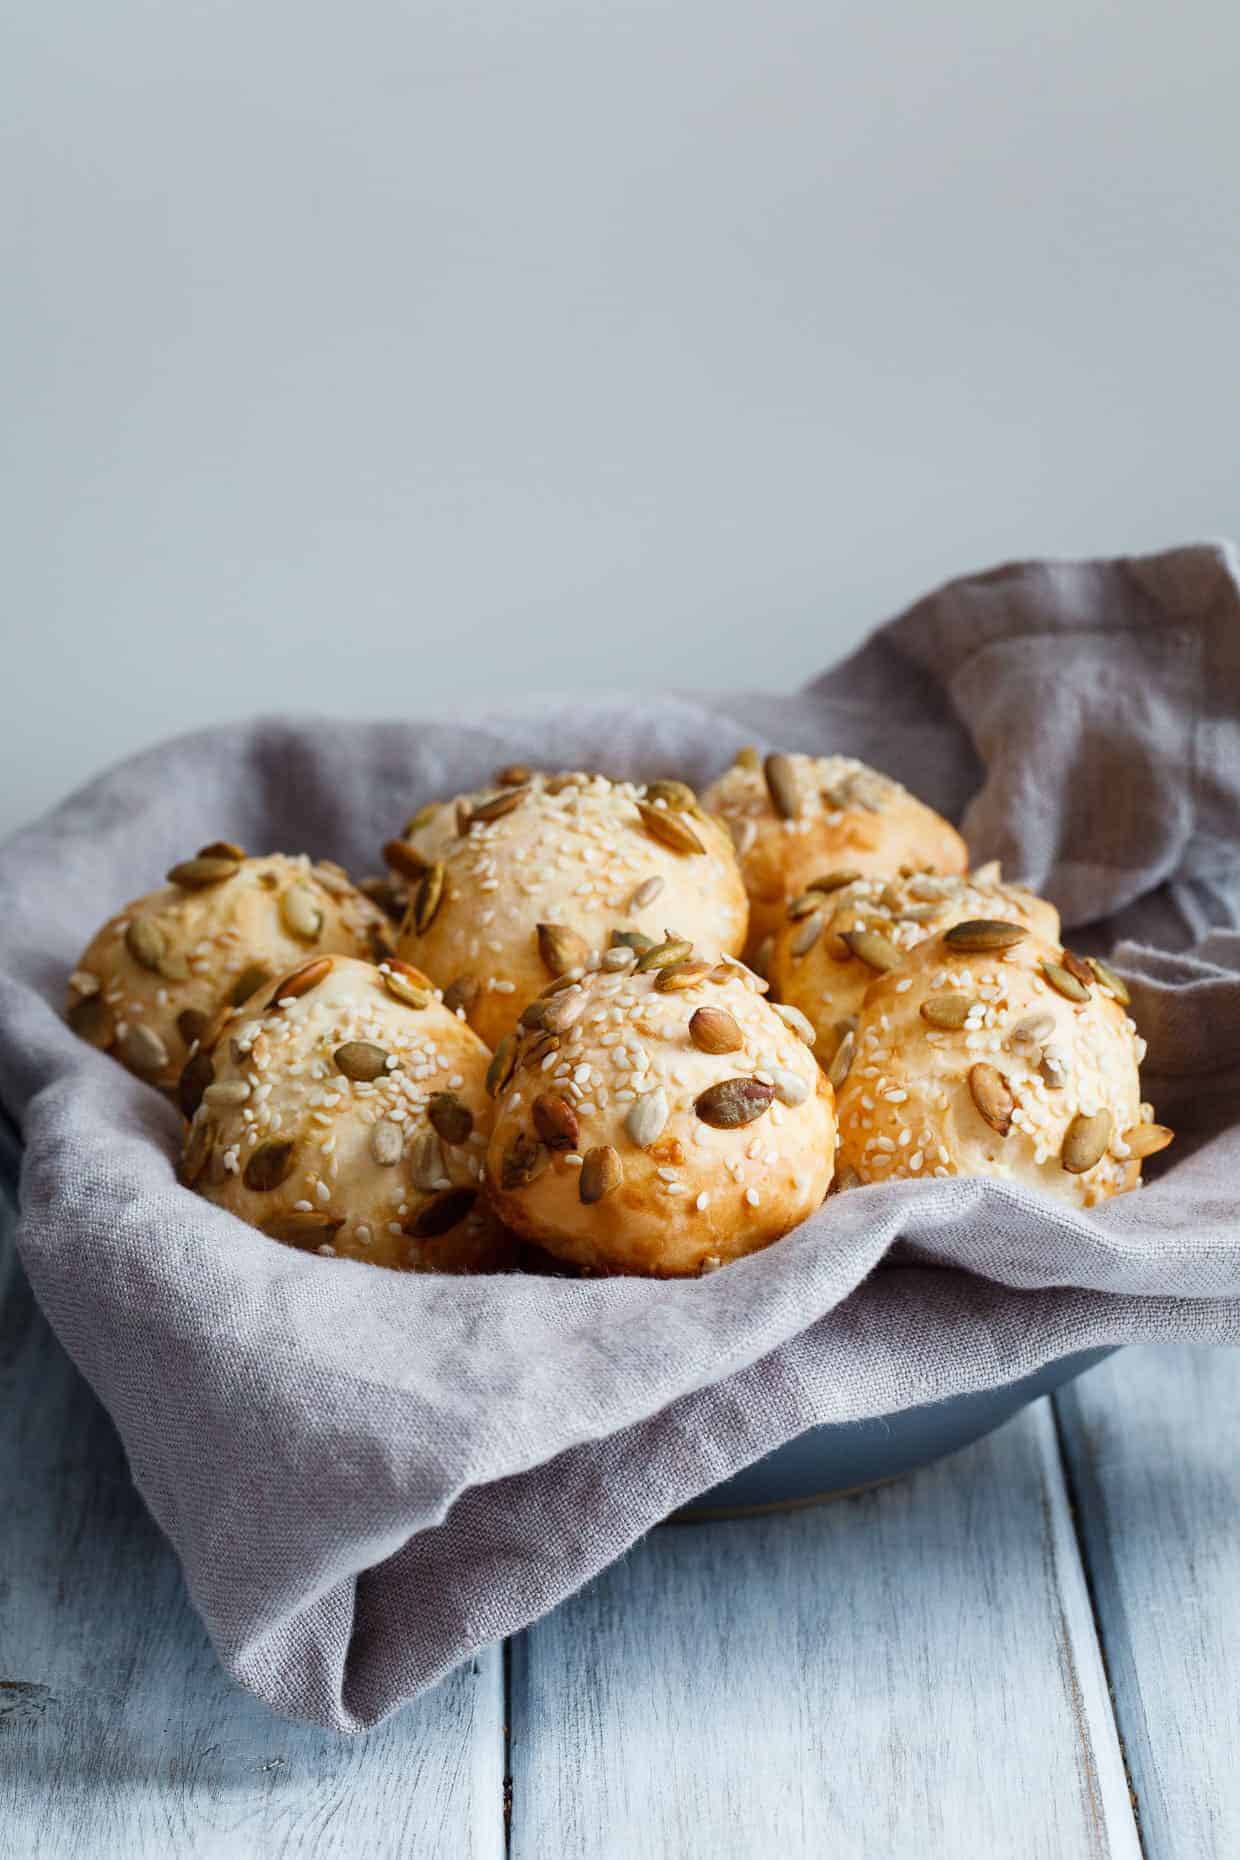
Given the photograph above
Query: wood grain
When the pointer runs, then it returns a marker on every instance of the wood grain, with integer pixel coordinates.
(910, 1672)
(1151, 1442)
(121, 1736)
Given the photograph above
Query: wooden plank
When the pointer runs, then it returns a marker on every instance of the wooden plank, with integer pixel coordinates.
(121, 1736)
(1150, 1439)
(912, 1671)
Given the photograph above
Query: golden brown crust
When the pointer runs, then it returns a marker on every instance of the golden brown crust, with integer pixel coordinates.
(846, 817)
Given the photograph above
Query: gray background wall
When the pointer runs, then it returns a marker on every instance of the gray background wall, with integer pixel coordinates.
(358, 356)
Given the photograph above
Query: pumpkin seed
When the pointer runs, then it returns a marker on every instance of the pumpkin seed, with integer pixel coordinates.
(453, 1120)
(404, 858)
(1085, 1141)
(514, 775)
(782, 786)
(422, 818)
(226, 1093)
(142, 1050)
(790, 1088)
(1147, 1139)
(874, 949)
(947, 1011)
(733, 1102)
(561, 949)
(1064, 983)
(197, 1151)
(833, 881)
(387, 1144)
(671, 830)
(1077, 967)
(269, 1165)
(800, 1023)
(677, 796)
(406, 984)
(680, 975)
(714, 1030)
(209, 868)
(503, 1064)
(1116, 984)
(1028, 1034)
(992, 1096)
(254, 976)
(146, 942)
(802, 906)
(601, 1174)
(841, 1065)
(300, 981)
(806, 936)
(523, 1162)
(426, 1164)
(556, 1121)
(636, 940)
(361, 1060)
(301, 914)
(662, 955)
(174, 967)
(306, 1231)
(441, 1215)
(191, 1025)
(429, 897)
(500, 804)
(980, 935)
(647, 1118)
(1053, 1068)
(462, 994)
(646, 892)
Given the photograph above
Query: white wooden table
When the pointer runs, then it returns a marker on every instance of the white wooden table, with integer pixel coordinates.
(1032, 1649)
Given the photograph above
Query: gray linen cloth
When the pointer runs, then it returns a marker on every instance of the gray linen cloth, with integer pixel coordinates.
(368, 1475)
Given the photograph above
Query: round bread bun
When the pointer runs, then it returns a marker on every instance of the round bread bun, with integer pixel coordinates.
(814, 966)
(1037, 1084)
(345, 1112)
(537, 878)
(151, 982)
(795, 818)
(659, 1119)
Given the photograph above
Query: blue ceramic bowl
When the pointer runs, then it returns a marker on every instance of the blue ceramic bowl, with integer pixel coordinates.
(824, 1462)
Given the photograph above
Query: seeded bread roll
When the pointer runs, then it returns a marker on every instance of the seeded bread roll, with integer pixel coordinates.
(796, 817)
(658, 1117)
(536, 879)
(344, 1111)
(1016, 1062)
(150, 982)
(837, 937)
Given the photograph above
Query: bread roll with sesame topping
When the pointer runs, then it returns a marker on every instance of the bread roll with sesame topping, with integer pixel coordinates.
(153, 979)
(1017, 1062)
(833, 942)
(538, 877)
(795, 818)
(346, 1113)
(658, 1117)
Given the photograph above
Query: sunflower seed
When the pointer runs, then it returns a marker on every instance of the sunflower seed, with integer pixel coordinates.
(1085, 1141)
(453, 1120)
(556, 1121)
(714, 1030)
(464, 819)
(669, 829)
(647, 1118)
(270, 1164)
(146, 942)
(1147, 1139)
(441, 1215)
(334, 879)
(387, 1144)
(800, 1023)
(790, 1088)
(782, 786)
(833, 881)
(174, 967)
(841, 1065)
(361, 1060)
(426, 1165)
(561, 949)
(748, 758)
(500, 804)
(225, 1093)
(253, 977)
(992, 1095)
(646, 893)
(381, 941)
(503, 1063)
(429, 897)
(874, 949)
(406, 984)
(806, 936)
(142, 1050)
(306, 1231)
(1029, 1034)
(523, 1162)
(802, 906)
(390, 898)
(404, 858)
(1077, 968)
(208, 868)
(680, 975)
(191, 1025)
(538, 1050)
(947, 1011)
(677, 796)
(563, 1011)
(636, 940)
(300, 982)
(462, 993)
(919, 913)
(733, 1102)
(979, 935)
(1053, 1068)
(661, 955)
(513, 775)
(197, 1151)
(1064, 983)
(601, 1173)
(1109, 979)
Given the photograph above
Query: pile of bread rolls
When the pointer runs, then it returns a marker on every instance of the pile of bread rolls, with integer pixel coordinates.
(612, 1027)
